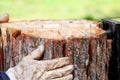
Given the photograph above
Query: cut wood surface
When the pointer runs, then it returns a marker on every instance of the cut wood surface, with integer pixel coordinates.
(82, 40)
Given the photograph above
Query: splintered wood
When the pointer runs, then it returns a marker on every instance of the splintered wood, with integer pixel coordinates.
(82, 40)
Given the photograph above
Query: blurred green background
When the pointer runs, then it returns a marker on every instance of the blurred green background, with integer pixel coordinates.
(60, 9)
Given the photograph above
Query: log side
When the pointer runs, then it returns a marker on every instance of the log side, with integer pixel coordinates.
(101, 57)
(98, 58)
(20, 45)
(81, 58)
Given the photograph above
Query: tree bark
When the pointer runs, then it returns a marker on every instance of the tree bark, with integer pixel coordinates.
(81, 58)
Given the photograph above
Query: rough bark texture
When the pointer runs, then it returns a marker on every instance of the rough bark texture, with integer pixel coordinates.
(81, 40)
(97, 58)
(23, 44)
(81, 58)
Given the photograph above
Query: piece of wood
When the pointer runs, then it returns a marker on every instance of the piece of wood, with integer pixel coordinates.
(83, 41)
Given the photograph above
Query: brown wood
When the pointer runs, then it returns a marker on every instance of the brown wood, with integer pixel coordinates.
(81, 58)
(98, 58)
(82, 40)
(1, 55)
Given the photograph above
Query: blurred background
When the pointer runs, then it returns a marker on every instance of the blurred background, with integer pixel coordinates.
(60, 9)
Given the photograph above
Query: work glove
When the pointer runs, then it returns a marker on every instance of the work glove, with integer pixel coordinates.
(4, 18)
(30, 68)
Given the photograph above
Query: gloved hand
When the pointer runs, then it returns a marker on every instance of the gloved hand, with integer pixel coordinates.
(4, 18)
(31, 69)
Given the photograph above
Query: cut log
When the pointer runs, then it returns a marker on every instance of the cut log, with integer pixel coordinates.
(83, 41)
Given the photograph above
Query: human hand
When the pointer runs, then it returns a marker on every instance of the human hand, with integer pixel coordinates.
(31, 69)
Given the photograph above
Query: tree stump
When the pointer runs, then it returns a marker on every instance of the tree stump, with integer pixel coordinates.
(81, 40)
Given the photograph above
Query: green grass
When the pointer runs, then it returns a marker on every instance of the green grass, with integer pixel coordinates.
(60, 9)
(116, 19)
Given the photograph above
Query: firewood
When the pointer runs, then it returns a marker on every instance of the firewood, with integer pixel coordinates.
(83, 41)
